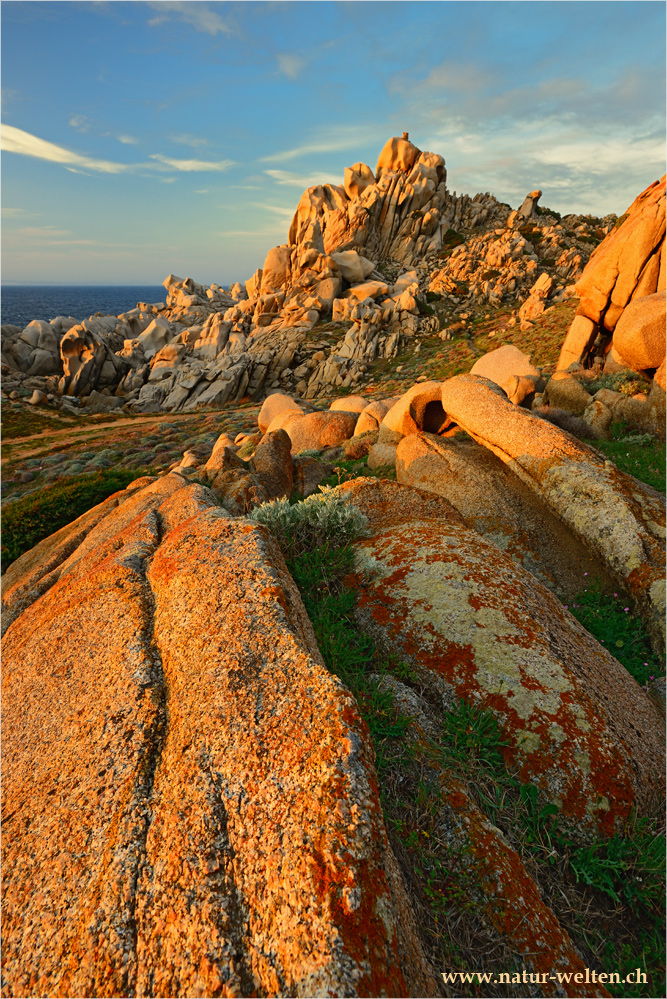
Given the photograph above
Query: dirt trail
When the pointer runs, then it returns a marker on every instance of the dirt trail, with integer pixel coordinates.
(76, 434)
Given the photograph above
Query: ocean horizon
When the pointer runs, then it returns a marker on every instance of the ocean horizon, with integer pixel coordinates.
(21, 303)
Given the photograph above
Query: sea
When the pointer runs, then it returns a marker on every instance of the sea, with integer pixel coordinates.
(20, 304)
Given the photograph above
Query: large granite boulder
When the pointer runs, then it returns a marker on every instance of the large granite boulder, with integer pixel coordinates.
(621, 520)
(189, 799)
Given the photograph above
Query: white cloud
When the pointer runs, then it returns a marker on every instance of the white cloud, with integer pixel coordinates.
(15, 140)
(191, 166)
(290, 65)
(128, 140)
(285, 178)
(198, 15)
(80, 122)
(346, 137)
(185, 139)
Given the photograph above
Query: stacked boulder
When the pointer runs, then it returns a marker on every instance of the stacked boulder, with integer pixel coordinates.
(619, 328)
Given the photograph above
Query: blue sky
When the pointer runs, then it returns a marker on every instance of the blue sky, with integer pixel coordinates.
(142, 138)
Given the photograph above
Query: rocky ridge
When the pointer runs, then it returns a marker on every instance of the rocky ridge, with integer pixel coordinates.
(218, 784)
(365, 257)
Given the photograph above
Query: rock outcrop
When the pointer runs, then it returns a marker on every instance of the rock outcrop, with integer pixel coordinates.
(620, 519)
(628, 265)
(188, 794)
(436, 594)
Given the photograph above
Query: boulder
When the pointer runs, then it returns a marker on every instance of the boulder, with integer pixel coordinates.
(372, 416)
(272, 463)
(529, 207)
(350, 404)
(156, 336)
(397, 154)
(274, 405)
(618, 518)
(319, 430)
(135, 831)
(420, 408)
(639, 336)
(354, 268)
(628, 264)
(38, 398)
(369, 289)
(276, 272)
(578, 726)
(503, 365)
(566, 392)
(357, 178)
(500, 506)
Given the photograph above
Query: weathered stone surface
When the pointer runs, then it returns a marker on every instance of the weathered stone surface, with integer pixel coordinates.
(274, 405)
(566, 392)
(626, 265)
(384, 502)
(639, 336)
(617, 517)
(420, 408)
(500, 506)
(318, 430)
(371, 417)
(134, 864)
(494, 871)
(502, 364)
(350, 404)
(579, 727)
(397, 154)
(272, 463)
(578, 341)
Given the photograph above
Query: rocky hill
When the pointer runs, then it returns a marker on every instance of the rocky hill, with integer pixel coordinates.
(367, 692)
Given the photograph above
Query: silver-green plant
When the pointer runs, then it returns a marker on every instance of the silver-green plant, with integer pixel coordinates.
(325, 518)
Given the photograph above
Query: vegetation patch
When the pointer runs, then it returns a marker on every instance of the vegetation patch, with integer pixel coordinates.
(638, 454)
(608, 618)
(607, 895)
(33, 518)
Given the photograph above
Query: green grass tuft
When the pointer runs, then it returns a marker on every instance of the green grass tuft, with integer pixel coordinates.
(27, 521)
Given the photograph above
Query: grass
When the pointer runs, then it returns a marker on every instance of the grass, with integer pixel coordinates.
(641, 455)
(27, 521)
(608, 618)
(608, 895)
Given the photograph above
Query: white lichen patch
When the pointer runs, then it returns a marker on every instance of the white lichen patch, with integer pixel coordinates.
(438, 594)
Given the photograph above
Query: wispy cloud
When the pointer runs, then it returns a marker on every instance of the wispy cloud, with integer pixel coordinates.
(290, 65)
(185, 139)
(128, 140)
(80, 122)
(198, 15)
(15, 140)
(191, 166)
(285, 178)
(336, 139)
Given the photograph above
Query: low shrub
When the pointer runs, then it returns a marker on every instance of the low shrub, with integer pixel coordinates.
(29, 520)
(323, 519)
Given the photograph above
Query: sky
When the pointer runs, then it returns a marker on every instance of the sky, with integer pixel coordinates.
(146, 138)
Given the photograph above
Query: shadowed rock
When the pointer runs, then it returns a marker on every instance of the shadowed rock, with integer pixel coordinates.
(620, 519)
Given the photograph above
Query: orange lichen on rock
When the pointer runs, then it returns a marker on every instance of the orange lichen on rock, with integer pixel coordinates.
(180, 772)
(479, 628)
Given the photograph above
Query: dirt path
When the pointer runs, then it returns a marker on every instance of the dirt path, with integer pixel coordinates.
(74, 435)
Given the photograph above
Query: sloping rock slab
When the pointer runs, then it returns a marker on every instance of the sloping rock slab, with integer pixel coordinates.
(477, 627)
(529, 934)
(188, 794)
(620, 519)
(499, 505)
